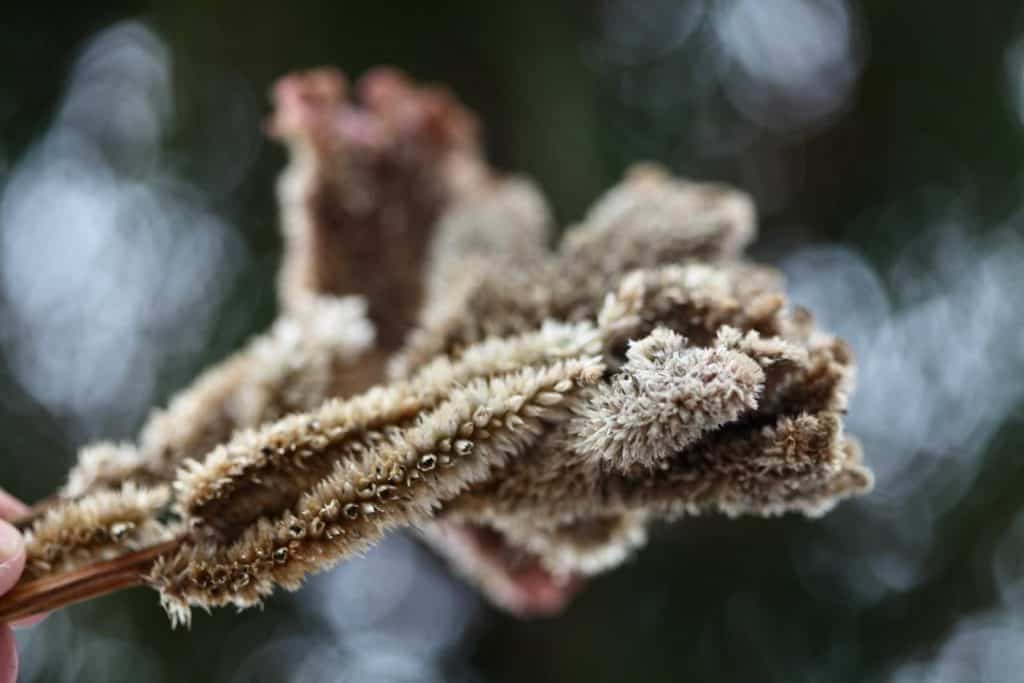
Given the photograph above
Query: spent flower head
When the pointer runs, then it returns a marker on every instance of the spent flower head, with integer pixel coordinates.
(436, 365)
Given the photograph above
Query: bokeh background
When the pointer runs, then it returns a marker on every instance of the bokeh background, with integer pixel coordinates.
(884, 143)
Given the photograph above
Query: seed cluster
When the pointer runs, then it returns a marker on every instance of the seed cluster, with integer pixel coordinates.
(259, 473)
(400, 480)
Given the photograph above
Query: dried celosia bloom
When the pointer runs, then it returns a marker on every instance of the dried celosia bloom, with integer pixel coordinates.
(99, 527)
(102, 465)
(572, 283)
(741, 361)
(664, 398)
(396, 479)
(241, 480)
(652, 219)
(364, 184)
(541, 407)
(306, 357)
(365, 176)
(502, 228)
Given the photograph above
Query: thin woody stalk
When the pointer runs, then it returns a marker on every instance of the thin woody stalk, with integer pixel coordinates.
(54, 592)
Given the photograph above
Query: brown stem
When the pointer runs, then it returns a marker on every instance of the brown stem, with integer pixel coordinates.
(60, 590)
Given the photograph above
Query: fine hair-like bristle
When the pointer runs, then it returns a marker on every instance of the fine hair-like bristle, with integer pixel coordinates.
(664, 398)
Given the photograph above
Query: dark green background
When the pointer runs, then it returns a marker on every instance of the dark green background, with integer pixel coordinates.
(930, 130)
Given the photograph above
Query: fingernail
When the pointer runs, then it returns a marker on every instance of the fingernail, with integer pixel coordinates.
(10, 542)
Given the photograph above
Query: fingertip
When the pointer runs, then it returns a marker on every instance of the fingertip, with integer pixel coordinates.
(11, 507)
(12, 556)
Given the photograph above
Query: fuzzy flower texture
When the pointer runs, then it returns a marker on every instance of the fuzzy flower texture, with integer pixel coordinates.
(437, 366)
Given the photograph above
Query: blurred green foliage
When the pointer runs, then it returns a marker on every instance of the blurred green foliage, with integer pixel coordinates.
(931, 125)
